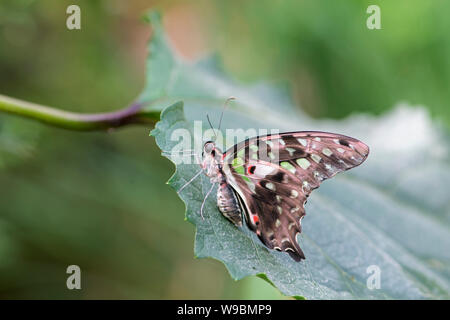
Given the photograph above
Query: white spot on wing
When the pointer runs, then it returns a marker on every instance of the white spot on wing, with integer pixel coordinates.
(263, 170)
(280, 210)
(318, 176)
(270, 186)
(291, 151)
(316, 158)
(302, 141)
(294, 193)
(305, 186)
(294, 210)
(327, 152)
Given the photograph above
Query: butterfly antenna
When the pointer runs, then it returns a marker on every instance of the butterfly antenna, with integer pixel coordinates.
(209, 121)
(223, 109)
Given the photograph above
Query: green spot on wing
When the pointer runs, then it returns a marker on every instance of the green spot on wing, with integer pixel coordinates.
(303, 163)
(286, 165)
(253, 147)
(238, 165)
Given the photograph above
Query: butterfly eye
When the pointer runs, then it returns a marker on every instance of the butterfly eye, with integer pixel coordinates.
(209, 147)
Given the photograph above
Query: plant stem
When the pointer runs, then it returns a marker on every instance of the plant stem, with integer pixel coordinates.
(134, 114)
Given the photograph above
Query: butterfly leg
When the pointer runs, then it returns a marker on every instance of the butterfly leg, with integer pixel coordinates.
(204, 200)
(192, 179)
(181, 153)
(195, 176)
(188, 151)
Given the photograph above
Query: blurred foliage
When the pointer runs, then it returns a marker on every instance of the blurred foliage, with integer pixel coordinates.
(100, 200)
(337, 65)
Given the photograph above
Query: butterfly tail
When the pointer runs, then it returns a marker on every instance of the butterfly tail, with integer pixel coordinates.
(293, 249)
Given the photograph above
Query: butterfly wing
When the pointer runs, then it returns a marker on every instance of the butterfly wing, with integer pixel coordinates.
(274, 175)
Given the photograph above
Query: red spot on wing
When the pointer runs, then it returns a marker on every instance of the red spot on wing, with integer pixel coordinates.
(255, 219)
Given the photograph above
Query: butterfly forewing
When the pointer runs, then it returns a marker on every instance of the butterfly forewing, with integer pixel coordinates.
(274, 175)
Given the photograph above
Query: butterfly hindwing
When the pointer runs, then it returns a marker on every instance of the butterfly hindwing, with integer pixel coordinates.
(274, 175)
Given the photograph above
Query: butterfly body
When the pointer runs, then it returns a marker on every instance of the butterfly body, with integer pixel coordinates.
(269, 178)
(228, 203)
(227, 200)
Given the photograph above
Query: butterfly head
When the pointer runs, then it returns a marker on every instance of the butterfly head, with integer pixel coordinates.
(212, 157)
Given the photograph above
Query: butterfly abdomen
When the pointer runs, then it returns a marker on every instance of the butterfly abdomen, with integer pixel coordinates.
(228, 203)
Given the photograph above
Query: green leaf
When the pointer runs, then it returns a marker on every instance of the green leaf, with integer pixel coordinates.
(392, 212)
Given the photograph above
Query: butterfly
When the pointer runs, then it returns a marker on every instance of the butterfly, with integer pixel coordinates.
(267, 180)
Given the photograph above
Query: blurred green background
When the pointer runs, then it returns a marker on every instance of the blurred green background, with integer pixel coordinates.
(99, 200)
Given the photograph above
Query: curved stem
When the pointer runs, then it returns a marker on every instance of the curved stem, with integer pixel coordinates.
(78, 121)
